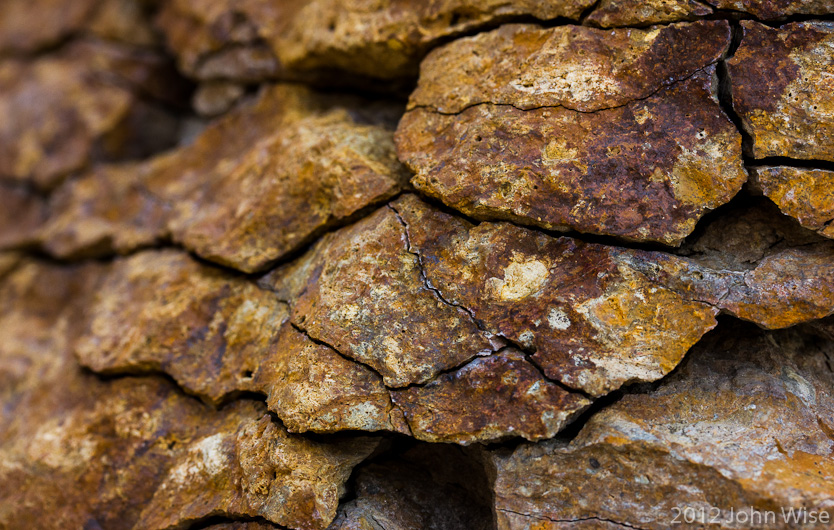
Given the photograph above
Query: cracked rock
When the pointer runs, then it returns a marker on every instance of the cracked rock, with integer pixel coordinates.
(85, 103)
(782, 89)
(260, 39)
(619, 13)
(256, 185)
(79, 451)
(632, 147)
(807, 195)
(747, 420)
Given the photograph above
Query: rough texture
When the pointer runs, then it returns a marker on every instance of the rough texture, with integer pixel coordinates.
(253, 187)
(64, 433)
(258, 39)
(82, 104)
(658, 158)
(747, 420)
(617, 13)
(807, 195)
(774, 9)
(22, 212)
(783, 91)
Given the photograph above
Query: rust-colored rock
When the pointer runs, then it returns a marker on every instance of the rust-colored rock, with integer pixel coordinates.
(619, 13)
(609, 149)
(79, 451)
(489, 399)
(592, 320)
(807, 195)
(255, 185)
(258, 39)
(746, 423)
(783, 89)
(775, 9)
(81, 104)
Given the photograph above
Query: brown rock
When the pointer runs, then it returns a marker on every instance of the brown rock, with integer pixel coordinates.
(619, 13)
(773, 9)
(81, 104)
(745, 424)
(782, 89)
(216, 97)
(292, 39)
(254, 186)
(638, 160)
(593, 321)
(22, 212)
(807, 195)
(490, 398)
(79, 451)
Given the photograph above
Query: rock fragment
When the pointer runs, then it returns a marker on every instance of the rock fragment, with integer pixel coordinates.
(807, 195)
(782, 88)
(620, 13)
(22, 212)
(746, 420)
(577, 142)
(776, 9)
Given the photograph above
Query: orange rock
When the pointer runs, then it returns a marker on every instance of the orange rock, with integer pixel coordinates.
(807, 195)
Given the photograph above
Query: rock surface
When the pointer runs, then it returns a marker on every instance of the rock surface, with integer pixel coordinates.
(782, 84)
(807, 195)
(661, 154)
(718, 429)
(618, 13)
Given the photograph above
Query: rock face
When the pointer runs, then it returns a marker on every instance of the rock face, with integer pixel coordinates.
(660, 144)
(581, 278)
(781, 86)
(625, 465)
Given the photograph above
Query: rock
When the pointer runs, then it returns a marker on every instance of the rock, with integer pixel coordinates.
(591, 320)
(745, 424)
(619, 13)
(782, 89)
(216, 97)
(489, 399)
(807, 195)
(776, 9)
(79, 105)
(22, 212)
(241, 193)
(79, 451)
(296, 39)
(668, 152)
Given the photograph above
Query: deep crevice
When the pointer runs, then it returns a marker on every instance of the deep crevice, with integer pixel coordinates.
(809, 163)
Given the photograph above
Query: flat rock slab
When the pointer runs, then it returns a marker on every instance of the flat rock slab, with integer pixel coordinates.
(79, 105)
(258, 39)
(256, 185)
(577, 142)
(783, 88)
(620, 13)
(807, 195)
(747, 420)
(135, 452)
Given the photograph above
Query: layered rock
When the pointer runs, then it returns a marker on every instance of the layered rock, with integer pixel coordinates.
(587, 121)
(782, 88)
(254, 186)
(79, 451)
(260, 39)
(89, 101)
(747, 420)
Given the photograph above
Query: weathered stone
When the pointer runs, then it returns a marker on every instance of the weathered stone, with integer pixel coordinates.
(80, 452)
(291, 39)
(253, 187)
(756, 265)
(22, 213)
(429, 487)
(774, 9)
(81, 104)
(592, 320)
(619, 13)
(616, 152)
(783, 91)
(216, 97)
(807, 195)
(746, 423)
(490, 398)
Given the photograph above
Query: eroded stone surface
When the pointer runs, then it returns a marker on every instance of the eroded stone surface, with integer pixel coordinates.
(593, 138)
(773, 9)
(81, 104)
(78, 451)
(254, 186)
(618, 13)
(287, 39)
(782, 86)
(807, 195)
(746, 420)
